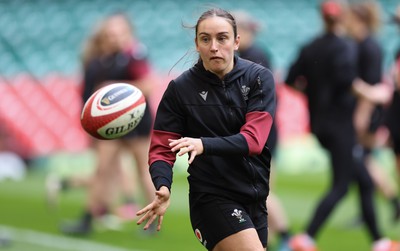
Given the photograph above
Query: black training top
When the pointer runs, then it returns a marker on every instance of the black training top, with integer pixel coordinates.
(257, 55)
(370, 61)
(393, 111)
(122, 66)
(328, 64)
(232, 117)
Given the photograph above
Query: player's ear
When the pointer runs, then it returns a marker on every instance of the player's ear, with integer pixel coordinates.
(197, 45)
(237, 42)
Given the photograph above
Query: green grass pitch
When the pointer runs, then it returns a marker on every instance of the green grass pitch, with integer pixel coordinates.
(31, 225)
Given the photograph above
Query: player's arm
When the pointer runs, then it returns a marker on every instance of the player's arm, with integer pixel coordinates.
(376, 94)
(295, 74)
(254, 133)
(168, 123)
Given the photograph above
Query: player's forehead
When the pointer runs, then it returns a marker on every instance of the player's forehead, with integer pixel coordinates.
(214, 25)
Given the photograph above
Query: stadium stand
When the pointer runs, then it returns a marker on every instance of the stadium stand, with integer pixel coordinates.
(40, 44)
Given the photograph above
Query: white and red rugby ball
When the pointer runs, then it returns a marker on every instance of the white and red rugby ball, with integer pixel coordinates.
(113, 111)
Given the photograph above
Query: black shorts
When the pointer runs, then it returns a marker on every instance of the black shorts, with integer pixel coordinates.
(214, 218)
(377, 119)
(393, 121)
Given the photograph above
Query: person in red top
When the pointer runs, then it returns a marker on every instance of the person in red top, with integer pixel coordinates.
(113, 54)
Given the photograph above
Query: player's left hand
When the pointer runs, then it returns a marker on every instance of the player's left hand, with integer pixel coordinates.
(192, 146)
(155, 209)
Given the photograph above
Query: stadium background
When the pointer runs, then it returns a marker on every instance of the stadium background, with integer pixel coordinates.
(40, 45)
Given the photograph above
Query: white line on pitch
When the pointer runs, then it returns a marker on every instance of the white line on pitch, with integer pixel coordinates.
(54, 241)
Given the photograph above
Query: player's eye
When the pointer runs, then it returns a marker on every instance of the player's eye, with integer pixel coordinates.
(222, 38)
(204, 39)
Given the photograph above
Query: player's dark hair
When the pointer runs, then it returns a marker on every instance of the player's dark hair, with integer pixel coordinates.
(217, 12)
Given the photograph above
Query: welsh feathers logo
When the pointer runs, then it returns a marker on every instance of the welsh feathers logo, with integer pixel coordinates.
(245, 91)
(238, 214)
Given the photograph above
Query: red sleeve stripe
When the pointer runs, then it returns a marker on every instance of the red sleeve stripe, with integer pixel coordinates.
(159, 148)
(256, 131)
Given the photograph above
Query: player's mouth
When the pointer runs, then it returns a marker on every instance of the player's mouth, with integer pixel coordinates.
(216, 58)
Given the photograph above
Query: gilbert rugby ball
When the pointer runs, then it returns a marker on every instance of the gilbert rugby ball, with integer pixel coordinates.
(113, 111)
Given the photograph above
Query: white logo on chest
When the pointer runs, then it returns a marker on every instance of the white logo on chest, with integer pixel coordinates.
(203, 94)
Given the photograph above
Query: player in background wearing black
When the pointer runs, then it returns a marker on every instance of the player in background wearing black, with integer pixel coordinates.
(219, 112)
(248, 29)
(328, 64)
(112, 54)
(393, 118)
(363, 21)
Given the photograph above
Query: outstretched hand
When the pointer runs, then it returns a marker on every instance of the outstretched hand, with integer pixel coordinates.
(155, 209)
(192, 146)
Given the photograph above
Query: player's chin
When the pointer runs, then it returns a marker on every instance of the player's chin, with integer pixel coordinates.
(217, 68)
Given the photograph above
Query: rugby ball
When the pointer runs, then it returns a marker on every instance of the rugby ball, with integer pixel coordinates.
(113, 111)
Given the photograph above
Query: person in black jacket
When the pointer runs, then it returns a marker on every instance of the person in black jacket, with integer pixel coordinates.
(362, 25)
(328, 65)
(248, 29)
(220, 112)
(393, 118)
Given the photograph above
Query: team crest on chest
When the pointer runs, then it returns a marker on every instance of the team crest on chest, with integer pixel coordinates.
(245, 91)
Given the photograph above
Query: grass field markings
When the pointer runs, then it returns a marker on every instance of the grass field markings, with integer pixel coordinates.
(55, 241)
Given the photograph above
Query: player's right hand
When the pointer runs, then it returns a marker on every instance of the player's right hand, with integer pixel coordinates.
(155, 209)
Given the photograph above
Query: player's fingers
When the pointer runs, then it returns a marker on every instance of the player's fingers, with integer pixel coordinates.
(177, 148)
(160, 220)
(150, 221)
(192, 156)
(183, 151)
(145, 217)
(180, 147)
(144, 210)
(142, 219)
(173, 142)
(179, 144)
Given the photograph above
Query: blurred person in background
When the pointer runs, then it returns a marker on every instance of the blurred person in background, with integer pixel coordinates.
(219, 112)
(113, 54)
(12, 165)
(393, 114)
(363, 21)
(328, 64)
(248, 28)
